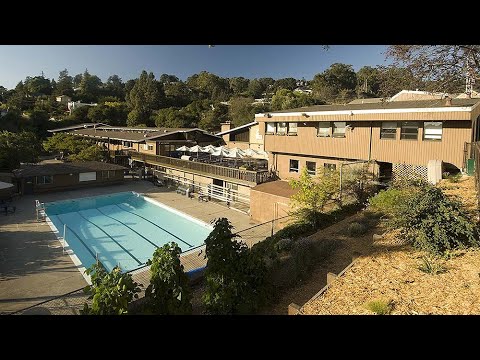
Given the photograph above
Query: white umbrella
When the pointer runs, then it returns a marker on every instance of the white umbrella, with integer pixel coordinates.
(182, 148)
(208, 149)
(196, 149)
(261, 155)
(235, 153)
(250, 152)
(220, 152)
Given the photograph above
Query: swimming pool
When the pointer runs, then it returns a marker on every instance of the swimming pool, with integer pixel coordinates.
(122, 229)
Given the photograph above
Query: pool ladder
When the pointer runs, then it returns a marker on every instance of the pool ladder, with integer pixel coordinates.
(40, 210)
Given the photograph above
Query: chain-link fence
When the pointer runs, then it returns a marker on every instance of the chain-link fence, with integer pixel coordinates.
(193, 261)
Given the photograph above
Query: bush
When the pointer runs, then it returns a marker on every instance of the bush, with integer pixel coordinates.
(454, 178)
(356, 228)
(380, 307)
(284, 245)
(387, 201)
(169, 289)
(111, 292)
(431, 266)
(235, 276)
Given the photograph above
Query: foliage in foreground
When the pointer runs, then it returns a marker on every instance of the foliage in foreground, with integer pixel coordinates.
(427, 218)
(380, 307)
(169, 289)
(313, 194)
(235, 276)
(110, 292)
(18, 147)
(431, 266)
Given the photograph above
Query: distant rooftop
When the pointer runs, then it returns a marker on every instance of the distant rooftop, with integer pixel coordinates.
(28, 170)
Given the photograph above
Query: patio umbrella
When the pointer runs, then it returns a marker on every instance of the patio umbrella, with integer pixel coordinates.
(208, 148)
(183, 148)
(4, 185)
(235, 153)
(196, 149)
(250, 152)
(220, 151)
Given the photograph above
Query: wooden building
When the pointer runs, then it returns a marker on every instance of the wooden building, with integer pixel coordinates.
(399, 136)
(33, 179)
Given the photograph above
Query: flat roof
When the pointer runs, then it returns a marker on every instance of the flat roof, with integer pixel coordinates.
(412, 104)
(278, 187)
(28, 170)
(134, 134)
(78, 126)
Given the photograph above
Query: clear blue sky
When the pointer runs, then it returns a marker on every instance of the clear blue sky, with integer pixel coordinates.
(127, 61)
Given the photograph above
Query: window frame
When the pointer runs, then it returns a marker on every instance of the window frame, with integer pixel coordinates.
(43, 177)
(311, 172)
(424, 130)
(292, 133)
(402, 133)
(341, 134)
(281, 133)
(382, 133)
(329, 129)
(274, 128)
(292, 169)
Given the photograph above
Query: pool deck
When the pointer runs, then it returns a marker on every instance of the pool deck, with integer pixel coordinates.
(33, 267)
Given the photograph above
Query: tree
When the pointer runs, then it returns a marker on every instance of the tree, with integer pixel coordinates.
(313, 194)
(241, 110)
(287, 99)
(211, 119)
(64, 84)
(209, 86)
(115, 87)
(110, 292)
(441, 67)
(90, 153)
(171, 117)
(90, 87)
(168, 79)
(38, 122)
(328, 85)
(368, 82)
(16, 148)
(66, 143)
(11, 121)
(37, 85)
(169, 289)
(394, 79)
(235, 278)
(177, 94)
(238, 85)
(286, 83)
(143, 99)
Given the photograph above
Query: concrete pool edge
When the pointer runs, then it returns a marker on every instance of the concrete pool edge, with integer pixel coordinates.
(66, 247)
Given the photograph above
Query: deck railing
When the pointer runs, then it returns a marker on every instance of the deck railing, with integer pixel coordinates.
(256, 177)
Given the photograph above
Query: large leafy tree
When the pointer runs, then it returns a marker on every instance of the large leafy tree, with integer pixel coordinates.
(286, 83)
(337, 83)
(241, 110)
(314, 192)
(111, 112)
(368, 82)
(66, 143)
(64, 84)
(177, 94)
(209, 86)
(287, 99)
(114, 87)
(238, 85)
(169, 289)
(18, 147)
(235, 278)
(394, 79)
(143, 99)
(37, 85)
(442, 67)
(211, 119)
(111, 293)
(90, 87)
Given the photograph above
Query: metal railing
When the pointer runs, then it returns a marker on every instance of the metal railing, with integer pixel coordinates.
(256, 177)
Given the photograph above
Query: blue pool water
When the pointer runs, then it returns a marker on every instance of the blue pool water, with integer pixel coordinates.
(122, 229)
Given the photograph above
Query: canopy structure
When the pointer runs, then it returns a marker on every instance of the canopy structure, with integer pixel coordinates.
(220, 151)
(183, 148)
(195, 149)
(208, 149)
(235, 153)
(4, 185)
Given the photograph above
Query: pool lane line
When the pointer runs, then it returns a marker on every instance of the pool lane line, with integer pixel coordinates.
(116, 242)
(76, 235)
(121, 222)
(151, 222)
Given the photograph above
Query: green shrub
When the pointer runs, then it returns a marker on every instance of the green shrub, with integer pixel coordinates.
(356, 229)
(284, 245)
(431, 266)
(235, 276)
(169, 289)
(380, 307)
(111, 293)
(454, 178)
(388, 201)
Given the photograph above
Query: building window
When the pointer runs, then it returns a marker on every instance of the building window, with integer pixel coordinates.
(409, 130)
(45, 179)
(293, 165)
(323, 129)
(329, 167)
(292, 128)
(339, 128)
(127, 144)
(388, 130)
(432, 130)
(150, 147)
(311, 168)
(281, 128)
(270, 129)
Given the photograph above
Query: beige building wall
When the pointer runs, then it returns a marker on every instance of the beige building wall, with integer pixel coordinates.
(266, 207)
